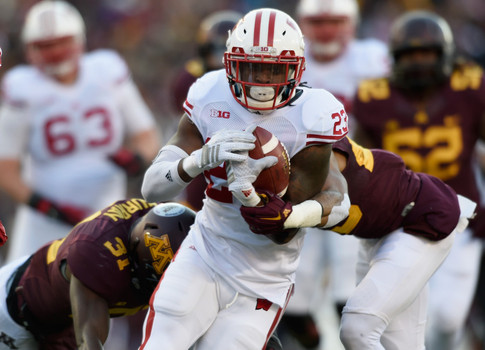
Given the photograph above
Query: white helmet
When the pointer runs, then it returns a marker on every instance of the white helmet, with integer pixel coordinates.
(264, 59)
(329, 25)
(46, 22)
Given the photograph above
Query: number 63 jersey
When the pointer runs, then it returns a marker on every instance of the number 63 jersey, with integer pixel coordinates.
(439, 139)
(69, 131)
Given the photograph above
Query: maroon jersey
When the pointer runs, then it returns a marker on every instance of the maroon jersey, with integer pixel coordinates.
(421, 204)
(96, 251)
(438, 139)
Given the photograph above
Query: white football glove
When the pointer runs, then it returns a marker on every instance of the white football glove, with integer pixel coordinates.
(225, 145)
(241, 175)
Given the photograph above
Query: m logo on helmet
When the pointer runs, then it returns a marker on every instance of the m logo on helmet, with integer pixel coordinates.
(160, 250)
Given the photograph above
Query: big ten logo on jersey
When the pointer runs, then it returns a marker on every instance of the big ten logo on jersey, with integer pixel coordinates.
(126, 209)
(215, 113)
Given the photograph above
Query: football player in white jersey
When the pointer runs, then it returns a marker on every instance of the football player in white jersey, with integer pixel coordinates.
(228, 284)
(66, 122)
(336, 61)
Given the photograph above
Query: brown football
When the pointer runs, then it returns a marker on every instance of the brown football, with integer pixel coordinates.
(274, 179)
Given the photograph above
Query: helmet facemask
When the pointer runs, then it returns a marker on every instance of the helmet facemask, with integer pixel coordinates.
(57, 57)
(263, 82)
(414, 35)
(417, 76)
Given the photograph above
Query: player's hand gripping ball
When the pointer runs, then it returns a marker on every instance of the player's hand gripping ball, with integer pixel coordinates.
(276, 178)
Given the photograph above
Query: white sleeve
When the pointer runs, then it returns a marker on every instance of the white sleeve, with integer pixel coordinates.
(162, 181)
(138, 117)
(14, 131)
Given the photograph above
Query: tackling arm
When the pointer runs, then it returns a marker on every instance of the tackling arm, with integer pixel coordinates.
(323, 207)
(90, 316)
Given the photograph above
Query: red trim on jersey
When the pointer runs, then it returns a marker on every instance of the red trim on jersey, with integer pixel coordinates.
(278, 316)
(188, 107)
(150, 317)
(322, 139)
(257, 28)
(271, 28)
(151, 311)
(186, 102)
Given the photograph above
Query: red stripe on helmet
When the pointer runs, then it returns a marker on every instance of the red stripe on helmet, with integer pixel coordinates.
(257, 28)
(271, 28)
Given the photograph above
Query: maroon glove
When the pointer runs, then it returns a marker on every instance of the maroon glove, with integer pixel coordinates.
(132, 163)
(3, 235)
(65, 213)
(270, 218)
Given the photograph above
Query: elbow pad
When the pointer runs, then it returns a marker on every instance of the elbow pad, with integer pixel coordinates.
(338, 212)
(162, 181)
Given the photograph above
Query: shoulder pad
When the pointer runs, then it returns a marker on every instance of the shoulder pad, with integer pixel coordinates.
(109, 64)
(324, 117)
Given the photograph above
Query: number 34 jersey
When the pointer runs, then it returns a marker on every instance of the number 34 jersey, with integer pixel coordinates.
(438, 139)
(69, 130)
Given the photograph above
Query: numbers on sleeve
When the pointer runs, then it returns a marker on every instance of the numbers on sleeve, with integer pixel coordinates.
(468, 78)
(118, 250)
(60, 137)
(340, 126)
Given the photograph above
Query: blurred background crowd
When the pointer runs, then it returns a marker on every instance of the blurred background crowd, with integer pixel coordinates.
(157, 38)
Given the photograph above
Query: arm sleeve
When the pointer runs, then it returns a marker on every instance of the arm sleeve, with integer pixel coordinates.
(138, 117)
(162, 181)
(14, 131)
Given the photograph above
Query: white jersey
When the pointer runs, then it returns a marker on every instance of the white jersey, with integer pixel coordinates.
(363, 59)
(252, 263)
(68, 131)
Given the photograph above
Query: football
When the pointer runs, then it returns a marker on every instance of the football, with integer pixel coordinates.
(276, 178)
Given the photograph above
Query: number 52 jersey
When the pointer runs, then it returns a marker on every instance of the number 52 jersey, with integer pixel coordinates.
(438, 139)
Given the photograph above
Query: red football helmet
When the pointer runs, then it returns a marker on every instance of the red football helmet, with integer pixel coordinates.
(329, 25)
(264, 60)
(54, 37)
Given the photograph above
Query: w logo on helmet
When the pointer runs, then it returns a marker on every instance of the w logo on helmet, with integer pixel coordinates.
(160, 250)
